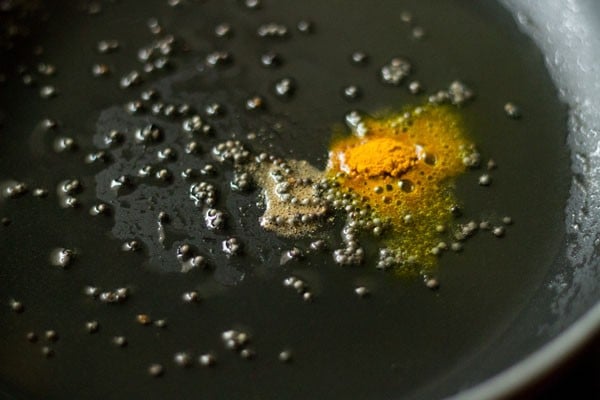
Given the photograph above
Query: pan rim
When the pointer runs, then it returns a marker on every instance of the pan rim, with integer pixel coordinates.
(541, 363)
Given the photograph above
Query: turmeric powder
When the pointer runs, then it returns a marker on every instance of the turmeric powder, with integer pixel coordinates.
(377, 156)
(401, 167)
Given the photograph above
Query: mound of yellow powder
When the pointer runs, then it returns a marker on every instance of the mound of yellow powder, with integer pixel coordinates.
(402, 166)
(378, 156)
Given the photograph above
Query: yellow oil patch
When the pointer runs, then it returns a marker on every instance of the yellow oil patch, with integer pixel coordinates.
(401, 166)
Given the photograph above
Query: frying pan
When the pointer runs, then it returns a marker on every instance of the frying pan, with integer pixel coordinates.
(508, 312)
(559, 29)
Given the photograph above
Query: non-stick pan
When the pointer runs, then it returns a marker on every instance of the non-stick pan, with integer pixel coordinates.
(98, 296)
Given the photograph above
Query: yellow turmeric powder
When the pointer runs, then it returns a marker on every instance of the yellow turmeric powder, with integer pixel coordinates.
(401, 166)
(377, 156)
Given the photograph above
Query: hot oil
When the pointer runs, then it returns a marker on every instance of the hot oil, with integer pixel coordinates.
(398, 339)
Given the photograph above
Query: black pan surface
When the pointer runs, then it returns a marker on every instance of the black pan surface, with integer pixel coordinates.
(403, 341)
